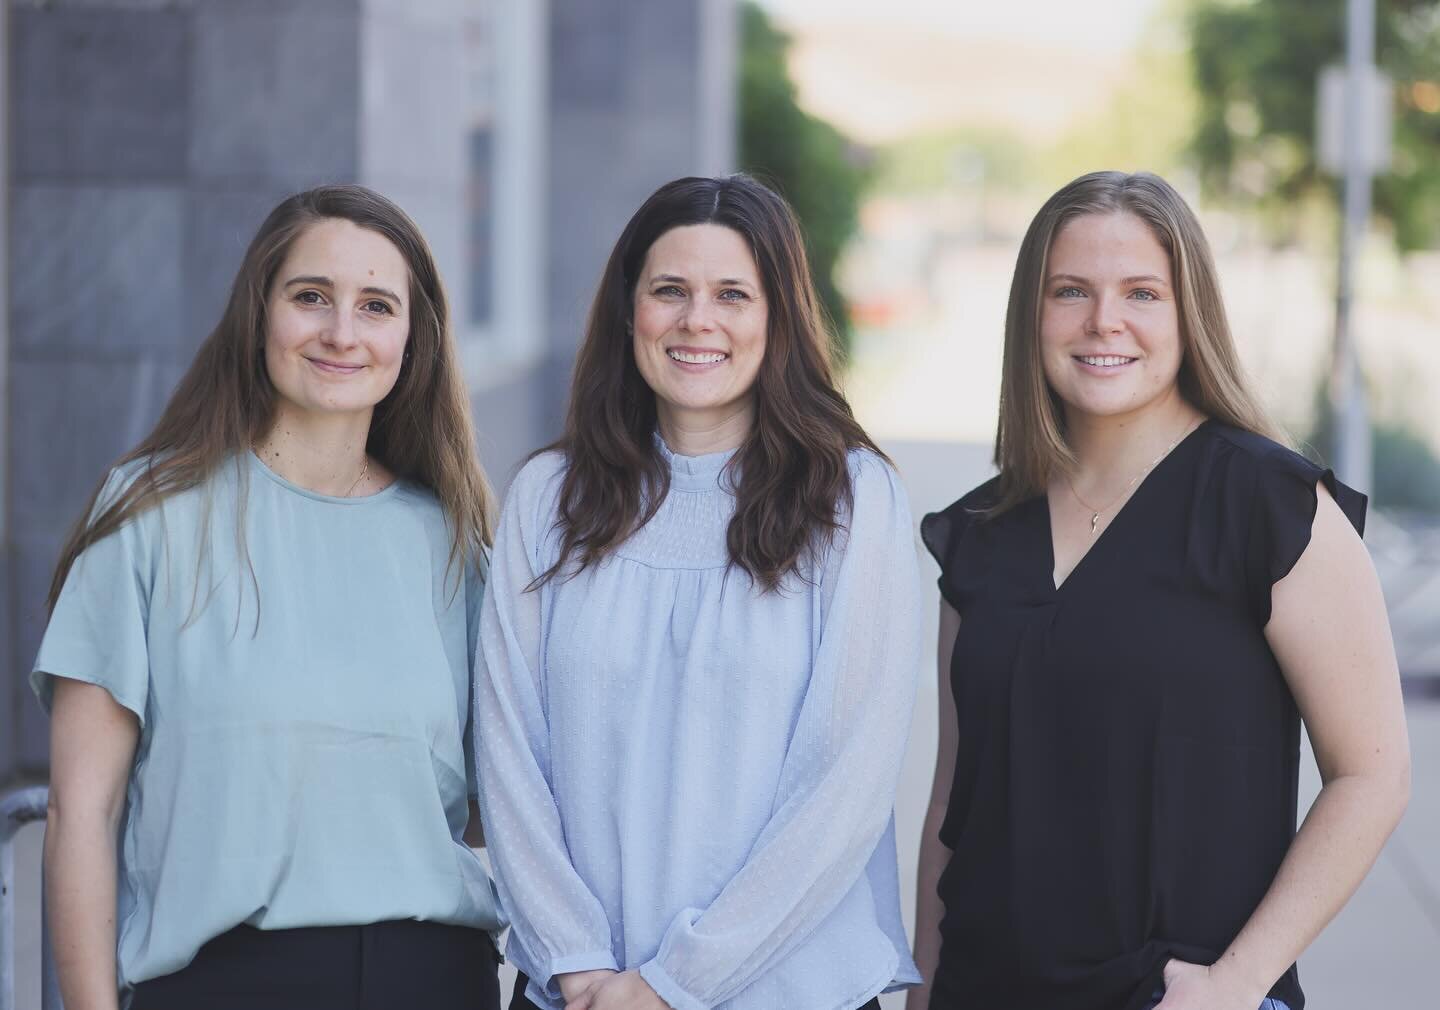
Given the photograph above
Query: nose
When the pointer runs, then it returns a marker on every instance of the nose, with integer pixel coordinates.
(698, 316)
(340, 333)
(1105, 314)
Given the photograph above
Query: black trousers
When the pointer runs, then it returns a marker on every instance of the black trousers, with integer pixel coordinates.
(519, 1002)
(383, 966)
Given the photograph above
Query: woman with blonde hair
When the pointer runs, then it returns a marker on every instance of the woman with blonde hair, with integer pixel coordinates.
(258, 654)
(1138, 612)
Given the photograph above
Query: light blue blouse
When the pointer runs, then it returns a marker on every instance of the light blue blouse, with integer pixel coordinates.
(682, 775)
(303, 764)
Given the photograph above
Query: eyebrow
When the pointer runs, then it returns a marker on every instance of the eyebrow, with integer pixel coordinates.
(723, 281)
(326, 282)
(1138, 278)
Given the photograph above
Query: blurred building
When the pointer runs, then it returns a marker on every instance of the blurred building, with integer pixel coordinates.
(143, 142)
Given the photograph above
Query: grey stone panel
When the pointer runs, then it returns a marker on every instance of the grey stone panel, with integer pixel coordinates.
(72, 419)
(34, 560)
(590, 49)
(219, 224)
(510, 426)
(275, 94)
(99, 94)
(95, 268)
(439, 211)
(9, 685)
(416, 101)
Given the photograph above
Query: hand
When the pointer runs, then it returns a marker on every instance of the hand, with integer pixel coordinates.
(1197, 987)
(574, 985)
(625, 991)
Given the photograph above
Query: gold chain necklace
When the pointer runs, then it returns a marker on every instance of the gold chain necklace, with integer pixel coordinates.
(364, 470)
(1095, 513)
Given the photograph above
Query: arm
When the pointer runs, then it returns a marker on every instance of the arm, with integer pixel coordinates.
(92, 746)
(933, 853)
(558, 925)
(837, 783)
(1329, 631)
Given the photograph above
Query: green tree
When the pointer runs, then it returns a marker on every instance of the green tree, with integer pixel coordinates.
(1255, 67)
(809, 161)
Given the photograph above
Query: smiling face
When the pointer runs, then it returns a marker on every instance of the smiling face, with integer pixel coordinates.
(699, 326)
(1109, 327)
(338, 318)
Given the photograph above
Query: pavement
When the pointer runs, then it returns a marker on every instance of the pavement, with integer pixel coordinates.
(1377, 953)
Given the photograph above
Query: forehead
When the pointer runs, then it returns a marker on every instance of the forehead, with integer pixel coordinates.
(344, 251)
(701, 250)
(1103, 243)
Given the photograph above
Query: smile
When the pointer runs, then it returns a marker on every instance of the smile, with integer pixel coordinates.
(334, 367)
(688, 357)
(1103, 360)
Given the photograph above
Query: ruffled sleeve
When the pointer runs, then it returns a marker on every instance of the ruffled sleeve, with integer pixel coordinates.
(945, 535)
(98, 632)
(1282, 512)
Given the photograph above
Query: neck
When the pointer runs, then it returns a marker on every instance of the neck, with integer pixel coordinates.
(697, 434)
(1118, 444)
(321, 454)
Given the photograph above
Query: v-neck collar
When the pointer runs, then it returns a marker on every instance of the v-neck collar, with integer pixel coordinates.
(1103, 535)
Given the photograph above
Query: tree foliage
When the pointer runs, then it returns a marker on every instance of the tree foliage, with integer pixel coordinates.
(1256, 66)
(806, 159)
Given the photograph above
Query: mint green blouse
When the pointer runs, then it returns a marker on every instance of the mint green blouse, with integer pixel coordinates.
(304, 755)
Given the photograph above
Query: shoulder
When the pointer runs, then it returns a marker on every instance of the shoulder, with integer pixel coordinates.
(540, 477)
(1271, 477)
(944, 529)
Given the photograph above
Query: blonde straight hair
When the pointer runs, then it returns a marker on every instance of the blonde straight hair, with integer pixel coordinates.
(1030, 442)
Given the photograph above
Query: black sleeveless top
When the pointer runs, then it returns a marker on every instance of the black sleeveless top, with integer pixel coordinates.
(1125, 786)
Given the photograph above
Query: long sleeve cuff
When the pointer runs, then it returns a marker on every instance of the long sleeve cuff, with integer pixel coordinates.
(592, 960)
(667, 988)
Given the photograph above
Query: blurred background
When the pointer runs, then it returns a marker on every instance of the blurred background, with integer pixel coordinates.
(142, 142)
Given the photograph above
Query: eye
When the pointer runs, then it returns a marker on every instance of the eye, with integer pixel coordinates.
(378, 307)
(669, 291)
(1144, 295)
(734, 295)
(310, 297)
(1069, 291)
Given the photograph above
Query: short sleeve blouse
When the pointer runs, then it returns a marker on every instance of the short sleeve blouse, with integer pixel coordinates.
(1125, 786)
(303, 757)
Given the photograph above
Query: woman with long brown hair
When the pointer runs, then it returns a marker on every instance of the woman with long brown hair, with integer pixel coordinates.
(698, 645)
(1137, 614)
(258, 654)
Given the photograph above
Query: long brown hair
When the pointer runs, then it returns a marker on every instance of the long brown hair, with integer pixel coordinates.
(791, 474)
(421, 431)
(1030, 442)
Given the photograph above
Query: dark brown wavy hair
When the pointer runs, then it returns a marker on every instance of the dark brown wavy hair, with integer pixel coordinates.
(421, 431)
(791, 475)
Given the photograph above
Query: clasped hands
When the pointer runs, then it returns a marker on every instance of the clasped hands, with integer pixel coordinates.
(604, 989)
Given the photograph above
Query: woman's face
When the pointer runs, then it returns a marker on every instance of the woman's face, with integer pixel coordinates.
(1109, 326)
(699, 324)
(339, 316)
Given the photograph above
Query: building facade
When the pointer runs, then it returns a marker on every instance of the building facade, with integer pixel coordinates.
(143, 142)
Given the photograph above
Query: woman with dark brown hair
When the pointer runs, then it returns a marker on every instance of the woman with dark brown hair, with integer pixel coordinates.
(258, 654)
(698, 650)
(1137, 614)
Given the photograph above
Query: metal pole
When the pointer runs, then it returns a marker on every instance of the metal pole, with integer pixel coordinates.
(1349, 407)
(16, 810)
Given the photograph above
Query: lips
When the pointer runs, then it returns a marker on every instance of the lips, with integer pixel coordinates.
(334, 367)
(1105, 362)
(695, 355)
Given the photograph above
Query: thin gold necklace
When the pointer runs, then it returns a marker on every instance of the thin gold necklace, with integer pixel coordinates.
(1095, 513)
(364, 470)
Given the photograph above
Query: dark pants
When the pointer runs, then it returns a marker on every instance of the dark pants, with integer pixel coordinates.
(384, 966)
(519, 1002)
